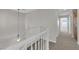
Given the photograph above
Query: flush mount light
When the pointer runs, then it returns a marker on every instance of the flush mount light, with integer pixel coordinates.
(65, 9)
(18, 38)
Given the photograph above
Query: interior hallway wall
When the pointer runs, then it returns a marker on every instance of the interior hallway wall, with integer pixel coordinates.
(67, 13)
(8, 26)
(46, 18)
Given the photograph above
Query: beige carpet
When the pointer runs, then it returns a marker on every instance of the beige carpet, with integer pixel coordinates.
(64, 42)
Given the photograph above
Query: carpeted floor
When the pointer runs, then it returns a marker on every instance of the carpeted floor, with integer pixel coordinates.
(64, 42)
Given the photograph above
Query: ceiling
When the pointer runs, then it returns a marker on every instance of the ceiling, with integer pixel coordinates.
(24, 10)
(59, 11)
(64, 11)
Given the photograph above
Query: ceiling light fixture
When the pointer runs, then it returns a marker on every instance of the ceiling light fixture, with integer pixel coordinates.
(18, 27)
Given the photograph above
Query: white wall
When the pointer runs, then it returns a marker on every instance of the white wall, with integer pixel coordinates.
(46, 18)
(8, 26)
(8, 23)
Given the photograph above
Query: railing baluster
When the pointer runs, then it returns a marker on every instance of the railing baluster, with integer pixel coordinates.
(36, 45)
(31, 47)
(41, 43)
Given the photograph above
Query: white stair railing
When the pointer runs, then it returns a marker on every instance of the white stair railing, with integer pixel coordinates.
(37, 42)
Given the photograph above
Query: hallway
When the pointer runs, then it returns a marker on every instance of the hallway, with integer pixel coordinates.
(35, 28)
(64, 42)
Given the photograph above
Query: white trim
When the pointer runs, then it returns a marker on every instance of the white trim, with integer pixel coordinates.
(68, 29)
(28, 41)
(52, 41)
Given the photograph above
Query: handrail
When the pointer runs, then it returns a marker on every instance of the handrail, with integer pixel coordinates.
(26, 41)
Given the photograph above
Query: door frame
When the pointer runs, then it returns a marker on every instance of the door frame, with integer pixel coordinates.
(67, 22)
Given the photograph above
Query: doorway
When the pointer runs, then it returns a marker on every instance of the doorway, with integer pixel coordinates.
(64, 24)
